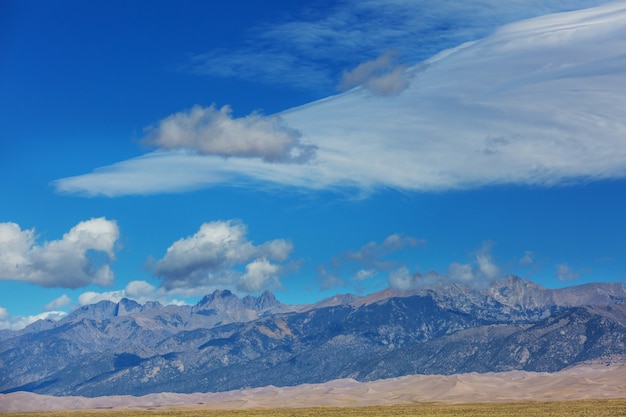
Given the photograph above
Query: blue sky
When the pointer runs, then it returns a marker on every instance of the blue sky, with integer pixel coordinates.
(161, 150)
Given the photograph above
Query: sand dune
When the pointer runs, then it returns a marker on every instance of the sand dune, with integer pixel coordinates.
(581, 382)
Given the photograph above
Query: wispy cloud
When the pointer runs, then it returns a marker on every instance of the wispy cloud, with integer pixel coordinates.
(538, 102)
(309, 50)
(479, 273)
(214, 255)
(354, 267)
(565, 273)
(527, 259)
(80, 258)
(372, 254)
(278, 68)
(382, 76)
(402, 279)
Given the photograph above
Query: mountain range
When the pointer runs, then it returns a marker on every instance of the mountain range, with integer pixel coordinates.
(225, 342)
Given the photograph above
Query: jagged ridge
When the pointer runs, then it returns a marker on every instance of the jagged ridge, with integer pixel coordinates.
(225, 342)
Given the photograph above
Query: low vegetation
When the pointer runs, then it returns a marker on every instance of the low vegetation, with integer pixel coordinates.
(587, 408)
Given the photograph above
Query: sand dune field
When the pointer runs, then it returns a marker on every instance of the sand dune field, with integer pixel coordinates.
(581, 382)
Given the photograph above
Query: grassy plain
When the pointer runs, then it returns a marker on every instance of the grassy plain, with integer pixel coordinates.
(586, 408)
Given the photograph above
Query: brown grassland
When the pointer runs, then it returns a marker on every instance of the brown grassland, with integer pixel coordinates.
(587, 408)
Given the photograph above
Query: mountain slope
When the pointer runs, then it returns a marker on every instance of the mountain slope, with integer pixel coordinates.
(572, 336)
(225, 342)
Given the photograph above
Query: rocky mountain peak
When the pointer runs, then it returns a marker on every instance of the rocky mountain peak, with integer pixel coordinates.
(265, 301)
(126, 306)
(219, 300)
(516, 291)
(102, 310)
(225, 300)
(152, 305)
(383, 335)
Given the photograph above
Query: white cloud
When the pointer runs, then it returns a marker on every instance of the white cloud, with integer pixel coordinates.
(80, 258)
(538, 102)
(486, 265)
(372, 253)
(58, 303)
(365, 262)
(209, 131)
(461, 272)
(141, 291)
(211, 256)
(260, 275)
(7, 321)
(93, 297)
(565, 273)
(401, 279)
(480, 272)
(363, 274)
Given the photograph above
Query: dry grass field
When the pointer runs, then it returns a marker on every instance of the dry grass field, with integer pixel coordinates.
(586, 408)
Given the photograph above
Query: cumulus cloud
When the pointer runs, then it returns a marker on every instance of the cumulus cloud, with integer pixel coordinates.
(81, 257)
(364, 263)
(480, 272)
(7, 321)
(486, 264)
(461, 272)
(93, 297)
(538, 102)
(401, 279)
(372, 253)
(210, 131)
(260, 274)
(211, 256)
(382, 76)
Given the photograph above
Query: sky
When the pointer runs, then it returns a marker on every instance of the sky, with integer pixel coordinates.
(161, 150)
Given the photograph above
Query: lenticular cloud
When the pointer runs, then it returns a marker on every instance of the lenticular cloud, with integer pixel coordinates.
(538, 102)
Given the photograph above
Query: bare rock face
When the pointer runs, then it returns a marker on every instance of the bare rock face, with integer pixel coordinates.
(226, 342)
